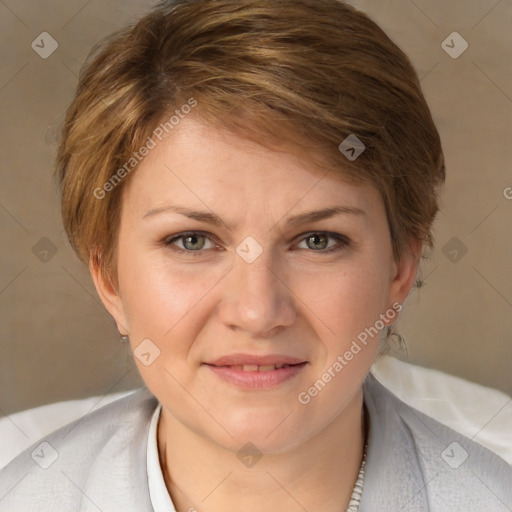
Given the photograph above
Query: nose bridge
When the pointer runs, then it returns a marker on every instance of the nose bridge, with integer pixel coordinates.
(257, 299)
(260, 275)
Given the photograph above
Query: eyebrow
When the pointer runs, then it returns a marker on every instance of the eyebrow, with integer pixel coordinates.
(212, 218)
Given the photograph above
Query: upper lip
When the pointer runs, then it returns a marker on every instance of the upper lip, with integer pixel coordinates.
(247, 359)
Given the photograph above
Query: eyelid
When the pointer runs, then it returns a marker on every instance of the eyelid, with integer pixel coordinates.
(169, 240)
(342, 241)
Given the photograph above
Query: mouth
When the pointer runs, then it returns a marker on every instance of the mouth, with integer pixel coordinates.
(256, 374)
(277, 360)
(257, 368)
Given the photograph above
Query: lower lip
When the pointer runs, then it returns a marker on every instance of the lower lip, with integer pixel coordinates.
(257, 380)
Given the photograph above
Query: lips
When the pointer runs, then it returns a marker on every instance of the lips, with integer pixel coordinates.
(259, 368)
(256, 372)
(248, 360)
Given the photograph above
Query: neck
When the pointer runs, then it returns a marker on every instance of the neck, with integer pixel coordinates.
(317, 475)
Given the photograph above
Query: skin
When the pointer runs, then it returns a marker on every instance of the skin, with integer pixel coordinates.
(295, 299)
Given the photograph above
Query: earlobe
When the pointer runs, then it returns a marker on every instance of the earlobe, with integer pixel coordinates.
(406, 271)
(109, 295)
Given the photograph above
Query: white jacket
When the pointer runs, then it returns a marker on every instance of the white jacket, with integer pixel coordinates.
(414, 463)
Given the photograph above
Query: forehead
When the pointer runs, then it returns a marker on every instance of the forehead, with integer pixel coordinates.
(203, 166)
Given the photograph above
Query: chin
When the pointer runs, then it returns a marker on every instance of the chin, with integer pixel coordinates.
(270, 432)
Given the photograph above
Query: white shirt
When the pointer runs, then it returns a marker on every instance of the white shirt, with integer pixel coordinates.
(99, 462)
(158, 492)
(160, 499)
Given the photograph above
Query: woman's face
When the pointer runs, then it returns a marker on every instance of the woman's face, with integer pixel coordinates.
(258, 283)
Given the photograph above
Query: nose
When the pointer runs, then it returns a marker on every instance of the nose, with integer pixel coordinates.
(257, 298)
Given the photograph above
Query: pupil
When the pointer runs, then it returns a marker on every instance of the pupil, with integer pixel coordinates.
(193, 238)
(316, 237)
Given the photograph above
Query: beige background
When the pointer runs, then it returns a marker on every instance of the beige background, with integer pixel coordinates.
(57, 342)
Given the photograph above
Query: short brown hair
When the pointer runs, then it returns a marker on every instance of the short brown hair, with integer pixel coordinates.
(287, 72)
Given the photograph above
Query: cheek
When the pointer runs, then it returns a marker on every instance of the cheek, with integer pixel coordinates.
(162, 305)
(347, 300)
(163, 300)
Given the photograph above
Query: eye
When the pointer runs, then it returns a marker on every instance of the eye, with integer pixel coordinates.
(190, 242)
(319, 242)
(193, 242)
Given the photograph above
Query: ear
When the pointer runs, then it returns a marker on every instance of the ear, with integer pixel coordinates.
(405, 272)
(109, 295)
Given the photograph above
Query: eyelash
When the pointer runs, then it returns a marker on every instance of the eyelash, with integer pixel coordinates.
(343, 241)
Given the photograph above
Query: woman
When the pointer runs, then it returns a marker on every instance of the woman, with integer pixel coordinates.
(252, 184)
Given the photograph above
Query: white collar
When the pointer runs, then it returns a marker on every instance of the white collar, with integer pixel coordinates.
(160, 499)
